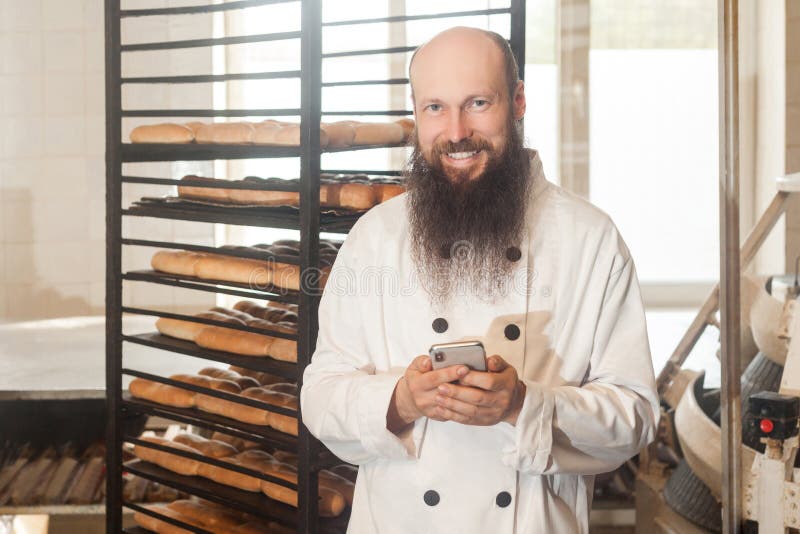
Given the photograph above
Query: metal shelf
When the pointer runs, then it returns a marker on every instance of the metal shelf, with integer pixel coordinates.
(211, 78)
(218, 41)
(213, 286)
(262, 216)
(259, 434)
(193, 10)
(405, 18)
(237, 253)
(265, 364)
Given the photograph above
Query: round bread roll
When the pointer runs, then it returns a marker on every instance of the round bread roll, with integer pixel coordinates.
(378, 134)
(162, 133)
(173, 462)
(181, 262)
(340, 134)
(162, 393)
(226, 133)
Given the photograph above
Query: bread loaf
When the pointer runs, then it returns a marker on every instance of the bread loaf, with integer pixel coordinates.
(162, 393)
(157, 525)
(283, 387)
(237, 342)
(173, 462)
(341, 485)
(233, 410)
(237, 443)
(214, 519)
(260, 376)
(384, 192)
(243, 382)
(280, 422)
(162, 133)
(408, 126)
(236, 133)
(214, 194)
(331, 503)
(356, 196)
(256, 273)
(265, 198)
(340, 134)
(265, 132)
(180, 262)
(378, 134)
(207, 447)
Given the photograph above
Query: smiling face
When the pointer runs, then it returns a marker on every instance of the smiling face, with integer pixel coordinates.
(461, 103)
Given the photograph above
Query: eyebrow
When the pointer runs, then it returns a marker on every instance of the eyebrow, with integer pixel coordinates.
(487, 94)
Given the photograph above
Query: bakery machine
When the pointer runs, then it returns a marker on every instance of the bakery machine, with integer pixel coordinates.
(308, 219)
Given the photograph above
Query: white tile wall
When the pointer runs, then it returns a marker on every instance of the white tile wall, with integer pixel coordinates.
(52, 155)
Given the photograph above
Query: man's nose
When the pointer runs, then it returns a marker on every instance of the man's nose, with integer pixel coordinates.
(458, 128)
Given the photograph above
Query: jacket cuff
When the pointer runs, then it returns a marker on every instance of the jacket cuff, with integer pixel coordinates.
(373, 404)
(531, 440)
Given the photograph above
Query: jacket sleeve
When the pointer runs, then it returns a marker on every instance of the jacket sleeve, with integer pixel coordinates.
(344, 399)
(595, 427)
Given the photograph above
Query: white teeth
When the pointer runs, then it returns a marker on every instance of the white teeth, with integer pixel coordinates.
(462, 155)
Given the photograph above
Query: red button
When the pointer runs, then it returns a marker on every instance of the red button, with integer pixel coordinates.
(766, 426)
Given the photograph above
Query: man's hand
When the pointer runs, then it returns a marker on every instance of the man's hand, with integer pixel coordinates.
(483, 398)
(416, 392)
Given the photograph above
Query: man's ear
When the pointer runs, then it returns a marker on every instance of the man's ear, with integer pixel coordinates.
(518, 101)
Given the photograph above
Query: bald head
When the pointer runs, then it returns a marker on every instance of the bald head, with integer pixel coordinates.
(465, 47)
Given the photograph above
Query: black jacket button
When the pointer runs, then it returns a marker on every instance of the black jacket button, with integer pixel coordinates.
(503, 499)
(439, 325)
(513, 253)
(431, 498)
(511, 332)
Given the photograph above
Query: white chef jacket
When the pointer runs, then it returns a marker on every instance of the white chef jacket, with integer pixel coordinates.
(572, 324)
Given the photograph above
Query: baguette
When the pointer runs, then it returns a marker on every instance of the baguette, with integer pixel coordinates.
(180, 262)
(408, 126)
(265, 132)
(214, 519)
(162, 393)
(261, 377)
(173, 462)
(255, 273)
(162, 133)
(384, 192)
(331, 503)
(340, 134)
(214, 194)
(208, 447)
(228, 133)
(378, 134)
(235, 341)
(264, 198)
(280, 422)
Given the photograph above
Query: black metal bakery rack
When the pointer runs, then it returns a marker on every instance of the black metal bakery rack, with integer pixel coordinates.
(308, 219)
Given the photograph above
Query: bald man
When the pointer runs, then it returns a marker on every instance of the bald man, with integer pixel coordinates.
(481, 248)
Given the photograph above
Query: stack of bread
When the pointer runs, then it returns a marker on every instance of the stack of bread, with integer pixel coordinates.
(354, 192)
(341, 134)
(281, 395)
(269, 318)
(206, 515)
(335, 486)
(255, 273)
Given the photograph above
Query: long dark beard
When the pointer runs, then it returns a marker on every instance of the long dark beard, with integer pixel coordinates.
(461, 229)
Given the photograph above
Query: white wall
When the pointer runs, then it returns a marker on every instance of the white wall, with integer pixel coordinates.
(52, 166)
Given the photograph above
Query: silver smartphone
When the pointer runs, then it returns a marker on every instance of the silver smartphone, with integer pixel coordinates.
(469, 353)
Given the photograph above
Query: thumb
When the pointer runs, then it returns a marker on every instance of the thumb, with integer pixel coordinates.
(496, 364)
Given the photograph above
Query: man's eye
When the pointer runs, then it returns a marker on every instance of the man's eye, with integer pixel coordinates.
(434, 107)
(480, 103)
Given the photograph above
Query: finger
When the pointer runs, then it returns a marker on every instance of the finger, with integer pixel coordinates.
(444, 414)
(460, 407)
(471, 395)
(432, 379)
(496, 364)
(490, 381)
